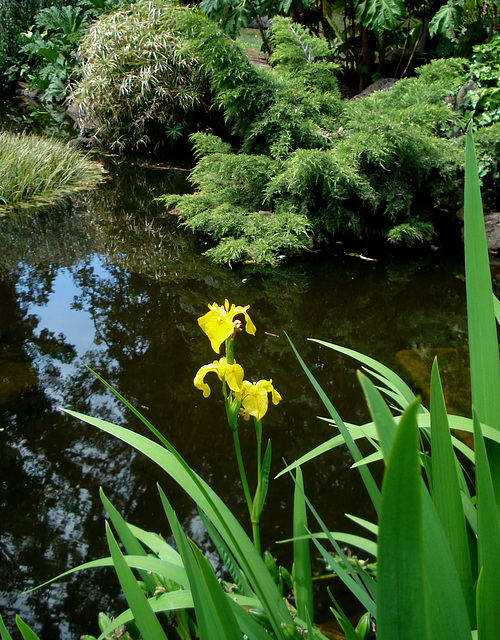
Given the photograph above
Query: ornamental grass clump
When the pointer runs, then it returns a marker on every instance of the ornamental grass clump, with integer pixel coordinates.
(137, 83)
(35, 170)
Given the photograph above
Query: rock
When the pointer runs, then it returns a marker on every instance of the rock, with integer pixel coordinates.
(80, 114)
(462, 94)
(82, 143)
(264, 21)
(399, 61)
(492, 226)
(384, 84)
(30, 95)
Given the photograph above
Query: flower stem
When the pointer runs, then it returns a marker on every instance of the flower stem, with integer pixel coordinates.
(258, 435)
(230, 350)
(256, 537)
(243, 475)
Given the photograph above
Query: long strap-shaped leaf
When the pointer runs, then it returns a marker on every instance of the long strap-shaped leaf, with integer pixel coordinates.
(145, 619)
(4, 634)
(401, 392)
(483, 339)
(132, 545)
(447, 613)
(401, 601)
(368, 480)
(228, 526)
(488, 590)
(301, 555)
(26, 632)
(214, 616)
(446, 491)
(173, 601)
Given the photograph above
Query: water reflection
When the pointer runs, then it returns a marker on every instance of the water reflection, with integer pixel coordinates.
(111, 282)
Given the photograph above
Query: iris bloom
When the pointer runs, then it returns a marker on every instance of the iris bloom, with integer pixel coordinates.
(218, 323)
(254, 400)
(231, 373)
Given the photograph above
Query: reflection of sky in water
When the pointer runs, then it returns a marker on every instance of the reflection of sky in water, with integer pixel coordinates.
(75, 327)
(58, 316)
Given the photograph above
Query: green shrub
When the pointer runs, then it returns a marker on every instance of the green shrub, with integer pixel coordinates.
(49, 51)
(136, 78)
(488, 162)
(15, 17)
(229, 205)
(36, 170)
(367, 168)
(483, 103)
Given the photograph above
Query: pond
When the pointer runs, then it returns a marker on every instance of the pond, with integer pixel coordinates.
(110, 281)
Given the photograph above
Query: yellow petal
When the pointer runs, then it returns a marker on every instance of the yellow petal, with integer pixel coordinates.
(234, 376)
(249, 327)
(199, 379)
(276, 397)
(254, 400)
(217, 325)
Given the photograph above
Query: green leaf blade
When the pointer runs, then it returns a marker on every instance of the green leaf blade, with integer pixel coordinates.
(145, 619)
(401, 601)
(446, 491)
(301, 554)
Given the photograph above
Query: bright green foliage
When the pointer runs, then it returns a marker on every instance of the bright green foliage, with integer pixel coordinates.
(460, 24)
(483, 102)
(229, 205)
(327, 168)
(488, 162)
(293, 46)
(379, 14)
(135, 77)
(37, 170)
(15, 16)
(431, 583)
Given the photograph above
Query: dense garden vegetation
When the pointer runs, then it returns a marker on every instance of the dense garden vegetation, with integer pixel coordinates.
(294, 163)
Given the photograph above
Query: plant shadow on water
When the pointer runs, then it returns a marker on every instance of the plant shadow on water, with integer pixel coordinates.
(109, 280)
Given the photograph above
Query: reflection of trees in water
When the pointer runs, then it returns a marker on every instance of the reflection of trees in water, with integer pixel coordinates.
(44, 240)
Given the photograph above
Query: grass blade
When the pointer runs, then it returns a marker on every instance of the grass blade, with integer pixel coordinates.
(488, 592)
(145, 619)
(446, 491)
(301, 556)
(401, 601)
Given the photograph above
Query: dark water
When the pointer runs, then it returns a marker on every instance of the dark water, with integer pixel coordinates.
(110, 281)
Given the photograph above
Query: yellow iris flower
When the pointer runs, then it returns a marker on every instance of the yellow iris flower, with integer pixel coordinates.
(231, 373)
(218, 323)
(254, 400)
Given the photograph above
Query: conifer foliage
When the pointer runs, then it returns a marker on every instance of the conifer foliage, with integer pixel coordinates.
(312, 166)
